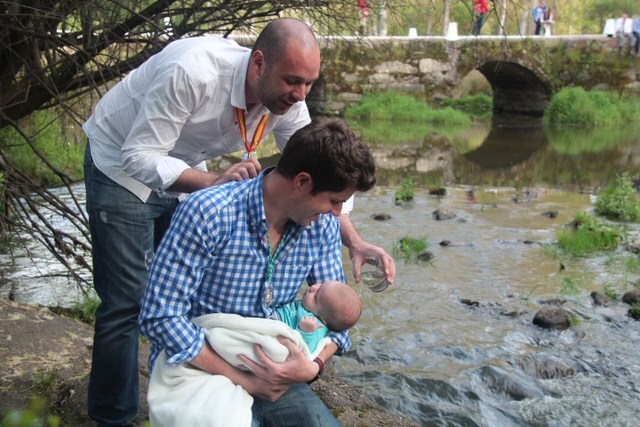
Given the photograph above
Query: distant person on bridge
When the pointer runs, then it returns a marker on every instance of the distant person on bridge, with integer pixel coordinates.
(623, 27)
(481, 8)
(636, 33)
(538, 16)
(548, 21)
(363, 11)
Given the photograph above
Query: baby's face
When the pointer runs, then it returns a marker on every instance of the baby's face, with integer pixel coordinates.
(317, 296)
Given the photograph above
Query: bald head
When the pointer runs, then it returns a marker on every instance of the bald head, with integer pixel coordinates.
(275, 37)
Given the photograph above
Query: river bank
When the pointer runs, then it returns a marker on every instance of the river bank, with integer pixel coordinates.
(48, 355)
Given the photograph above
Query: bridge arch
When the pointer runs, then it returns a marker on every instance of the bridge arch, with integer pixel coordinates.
(518, 93)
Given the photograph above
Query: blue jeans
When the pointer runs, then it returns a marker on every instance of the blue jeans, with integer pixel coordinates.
(477, 26)
(298, 407)
(124, 234)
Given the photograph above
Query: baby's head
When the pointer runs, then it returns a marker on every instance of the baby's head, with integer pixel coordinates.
(336, 303)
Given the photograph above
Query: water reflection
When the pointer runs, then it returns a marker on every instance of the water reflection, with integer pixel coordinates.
(505, 147)
(571, 159)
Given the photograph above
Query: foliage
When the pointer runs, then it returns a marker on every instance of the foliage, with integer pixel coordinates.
(479, 106)
(588, 236)
(408, 248)
(45, 131)
(598, 10)
(619, 200)
(575, 106)
(394, 106)
(37, 414)
(406, 191)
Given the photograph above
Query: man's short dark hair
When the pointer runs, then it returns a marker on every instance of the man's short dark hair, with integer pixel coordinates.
(334, 156)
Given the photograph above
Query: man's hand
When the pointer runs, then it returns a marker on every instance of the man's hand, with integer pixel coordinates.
(246, 169)
(191, 180)
(295, 369)
(360, 251)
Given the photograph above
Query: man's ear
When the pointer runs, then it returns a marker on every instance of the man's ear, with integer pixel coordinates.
(257, 62)
(302, 181)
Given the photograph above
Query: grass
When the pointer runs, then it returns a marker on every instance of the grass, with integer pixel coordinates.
(85, 311)
(477, 106)
(406, 191)
(570, 286)
(393, 107)
(619, 200)
(575, 106)
(589, 236)
(610, 291)
(408, 248)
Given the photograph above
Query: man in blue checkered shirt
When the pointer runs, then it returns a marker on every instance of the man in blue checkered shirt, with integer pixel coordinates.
(247, 247)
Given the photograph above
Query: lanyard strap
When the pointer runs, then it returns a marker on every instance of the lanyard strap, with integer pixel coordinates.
(257, 135)
(268, 292)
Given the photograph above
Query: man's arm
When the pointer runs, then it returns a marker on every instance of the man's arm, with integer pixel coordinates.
(265, 387)
(359, 250)
(191, 180)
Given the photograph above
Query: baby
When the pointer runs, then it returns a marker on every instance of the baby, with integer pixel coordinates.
(331, 305)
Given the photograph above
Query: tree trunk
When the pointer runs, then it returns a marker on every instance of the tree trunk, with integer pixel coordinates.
(445, 16)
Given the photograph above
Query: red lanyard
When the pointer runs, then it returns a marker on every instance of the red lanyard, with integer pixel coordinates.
(257, 135)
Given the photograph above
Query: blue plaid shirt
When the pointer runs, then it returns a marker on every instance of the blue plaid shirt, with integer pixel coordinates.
(214, 259)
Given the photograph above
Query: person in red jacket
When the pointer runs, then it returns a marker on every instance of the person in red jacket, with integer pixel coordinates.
(363, 10)
(481, 8)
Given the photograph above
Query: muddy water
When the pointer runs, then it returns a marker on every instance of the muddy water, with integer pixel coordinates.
(420, 351)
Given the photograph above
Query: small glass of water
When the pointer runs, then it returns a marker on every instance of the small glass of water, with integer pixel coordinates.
(372, 275)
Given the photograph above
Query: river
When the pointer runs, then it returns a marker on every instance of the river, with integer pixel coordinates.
(421, 351)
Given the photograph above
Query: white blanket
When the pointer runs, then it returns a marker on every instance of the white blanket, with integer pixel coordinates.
(183, 396)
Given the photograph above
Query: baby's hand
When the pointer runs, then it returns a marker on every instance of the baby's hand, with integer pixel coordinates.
(309, 324)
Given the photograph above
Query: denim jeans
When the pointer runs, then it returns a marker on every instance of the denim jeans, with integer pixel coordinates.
(124, 234)
(298, 407)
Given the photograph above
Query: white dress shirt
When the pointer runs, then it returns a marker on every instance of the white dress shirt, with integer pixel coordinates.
(176, 111)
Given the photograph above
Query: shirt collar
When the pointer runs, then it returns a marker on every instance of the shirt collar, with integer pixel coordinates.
(255, 206)
(238, 87)
(238, 96)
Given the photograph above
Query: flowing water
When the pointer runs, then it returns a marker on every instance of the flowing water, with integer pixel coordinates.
(420, 350)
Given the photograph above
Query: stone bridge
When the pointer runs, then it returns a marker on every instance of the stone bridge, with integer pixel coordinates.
(524, 72)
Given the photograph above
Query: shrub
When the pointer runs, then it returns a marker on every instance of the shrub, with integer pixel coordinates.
(588, 236)
(619, 200)
(574, 106)
(406, 191)
(408, 248)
